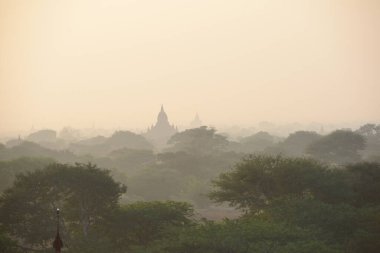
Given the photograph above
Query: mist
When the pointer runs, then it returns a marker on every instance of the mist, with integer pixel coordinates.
(111, 64)
(167, 126)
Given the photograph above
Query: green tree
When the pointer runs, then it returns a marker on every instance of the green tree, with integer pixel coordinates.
(31, 149)
(179, 176)
(338, 205)
(85, 193)
(101, 146)
(198, 141)
(7, 245)
(369, 130)
(371, 133)
(243, 235)
(365, 181)
(9, 169)
(257, 142)
(257, 180)
(334, 222)
(339, 147)
(296, 143)
(355, 229)
(141, 223)
(156, 184)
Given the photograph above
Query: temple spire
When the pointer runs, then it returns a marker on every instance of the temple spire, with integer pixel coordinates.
(162, 118)
(160, 132)
(196, 121)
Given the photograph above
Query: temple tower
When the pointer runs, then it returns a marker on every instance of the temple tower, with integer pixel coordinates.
(161, 132)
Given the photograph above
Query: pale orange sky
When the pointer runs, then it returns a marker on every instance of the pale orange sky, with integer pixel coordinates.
(114, 62)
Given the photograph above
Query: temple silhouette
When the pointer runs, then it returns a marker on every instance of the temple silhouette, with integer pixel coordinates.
(197, 122)
(161, 132)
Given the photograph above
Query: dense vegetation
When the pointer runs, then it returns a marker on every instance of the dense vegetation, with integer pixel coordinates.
(304, 193)
(289, 204)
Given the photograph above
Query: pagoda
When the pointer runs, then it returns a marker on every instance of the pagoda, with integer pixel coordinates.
(161, 132)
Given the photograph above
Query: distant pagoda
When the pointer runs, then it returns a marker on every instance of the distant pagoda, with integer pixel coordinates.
(161, 132)
(196, 122)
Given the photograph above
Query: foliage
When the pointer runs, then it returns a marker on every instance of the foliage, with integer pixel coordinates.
(243, 236)
(369, 130)
(85, 192)
(335, 222)
(163, 184)
(340, 147)
(371, 133)
(356, 229)
(9, 169)
(256, 143)
(201, 140)
(7, 245)
(134, 157)
(101, 146)
(178, 176)
(296, 143)
(292, 205)
(46, 135)
(257, 180)
(365, 178)
(339, 205)
(31, 149)
(141, 223)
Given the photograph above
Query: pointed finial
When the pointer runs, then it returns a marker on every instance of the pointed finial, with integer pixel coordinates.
(57, 243)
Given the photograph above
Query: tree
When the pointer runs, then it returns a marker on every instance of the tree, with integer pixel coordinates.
(7, 245)
(296, 143)
(355, 229)
(132, 160)
(156, 184)
(101, 146)
(365, 181)
(198, 141)
(9, 169)
(46, 135)
(371, 133)
(257, 180)
(140, 223)
(84, 192)
(178, 176)
(243, 235)
(31, 149)
(339, 147)
(328, 221)
(369, 130)
(257, 142)
(338, 205)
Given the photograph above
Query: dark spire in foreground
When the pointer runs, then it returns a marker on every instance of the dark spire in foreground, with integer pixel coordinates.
(57, 244)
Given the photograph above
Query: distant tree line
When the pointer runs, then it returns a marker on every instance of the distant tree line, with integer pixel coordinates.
(183, 171)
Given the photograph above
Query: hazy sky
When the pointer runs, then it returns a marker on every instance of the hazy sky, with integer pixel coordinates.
(114, 62)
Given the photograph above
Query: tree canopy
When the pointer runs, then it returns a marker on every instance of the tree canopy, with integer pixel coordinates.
(85, 193)
(339, 205)
(257, 180)
(341, 146)
(201, 140)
